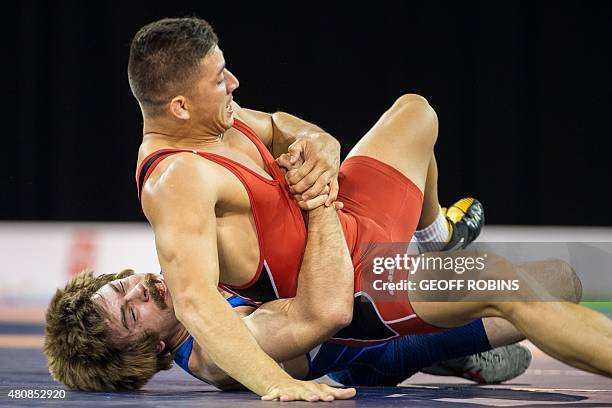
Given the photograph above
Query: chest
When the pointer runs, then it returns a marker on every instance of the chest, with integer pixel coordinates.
(238, 148)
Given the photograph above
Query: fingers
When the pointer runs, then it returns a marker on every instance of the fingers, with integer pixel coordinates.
(317, 187)
(311, 178)
(326, 393)
(308, 391)
(273, 395)
(283, 161)
(297, 175)
(333, 192)
(304, 395)
(343, 393)
(315, 202)
(300, 197)
(311, 397)
(295, 150)
(319, 392)
(316, 171)
(268, 397)
(312, 203)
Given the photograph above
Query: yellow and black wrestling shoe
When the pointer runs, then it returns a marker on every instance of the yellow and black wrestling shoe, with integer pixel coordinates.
(465, 221)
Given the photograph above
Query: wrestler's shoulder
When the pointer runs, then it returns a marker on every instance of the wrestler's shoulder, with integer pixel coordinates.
(181, 175)
(186, 167)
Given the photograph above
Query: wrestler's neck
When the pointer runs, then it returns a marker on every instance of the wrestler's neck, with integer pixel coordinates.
(165, 132)
(177, 338)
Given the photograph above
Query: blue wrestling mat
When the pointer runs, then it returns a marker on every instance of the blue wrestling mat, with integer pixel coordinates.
(547, 383)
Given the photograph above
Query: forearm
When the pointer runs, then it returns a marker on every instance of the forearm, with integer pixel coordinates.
(288, 128)
(228, 342)
(326, 279)
(323, 304)
(260, 329)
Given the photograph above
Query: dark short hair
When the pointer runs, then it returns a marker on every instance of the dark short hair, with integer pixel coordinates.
(80, 350)
(164, 56)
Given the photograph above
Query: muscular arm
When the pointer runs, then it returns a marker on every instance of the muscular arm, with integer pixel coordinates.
(288, 128)
(288, 328)
(181, 208)
(279, 130)
(323, 303)
(285, 133)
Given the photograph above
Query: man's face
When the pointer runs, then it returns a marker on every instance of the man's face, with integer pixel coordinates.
(212, 94)
(137, 303)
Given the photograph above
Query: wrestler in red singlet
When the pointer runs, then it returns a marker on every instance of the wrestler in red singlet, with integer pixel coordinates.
(380, 205)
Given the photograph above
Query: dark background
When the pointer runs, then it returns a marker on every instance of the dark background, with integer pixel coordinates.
(522, 91)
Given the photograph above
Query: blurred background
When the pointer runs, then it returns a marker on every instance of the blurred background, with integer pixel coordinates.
(522, 90)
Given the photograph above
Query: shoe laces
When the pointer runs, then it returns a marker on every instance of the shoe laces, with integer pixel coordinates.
(487, 359)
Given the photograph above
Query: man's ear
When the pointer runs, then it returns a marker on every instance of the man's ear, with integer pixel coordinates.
(160, 347)
(178, 107)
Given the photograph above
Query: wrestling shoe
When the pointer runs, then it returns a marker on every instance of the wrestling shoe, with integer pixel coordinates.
(465, 221)
(489, 367)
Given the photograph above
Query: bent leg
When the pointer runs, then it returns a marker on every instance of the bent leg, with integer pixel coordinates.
(431, 205)
(557, 277)
(571, 333)
(403, 138)
(568, 332)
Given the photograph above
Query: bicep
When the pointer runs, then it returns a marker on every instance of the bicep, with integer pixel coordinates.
(181, 208)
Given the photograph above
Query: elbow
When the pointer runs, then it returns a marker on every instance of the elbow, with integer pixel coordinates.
(340, 313)
(338, 317)
(329, 325)
(342, 319)
(326, 321)
(183, 309)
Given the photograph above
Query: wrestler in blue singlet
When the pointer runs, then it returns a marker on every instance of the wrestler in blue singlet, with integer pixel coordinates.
(385, 364)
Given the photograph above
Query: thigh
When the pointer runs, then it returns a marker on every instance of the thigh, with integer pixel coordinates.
(452, 314)
(403, 138)
(438, 302)
(386, 204)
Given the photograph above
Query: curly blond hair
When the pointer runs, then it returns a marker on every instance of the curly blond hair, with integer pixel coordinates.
(78, 344)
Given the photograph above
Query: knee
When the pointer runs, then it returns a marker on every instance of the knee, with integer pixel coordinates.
(416, 105)
(496, 267)
(416, 112)
(569, 280)
(551, 279)
(407, 99)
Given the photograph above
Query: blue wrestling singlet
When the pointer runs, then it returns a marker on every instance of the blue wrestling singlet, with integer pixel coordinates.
(184, 352)
(322, 360)
(385, 364)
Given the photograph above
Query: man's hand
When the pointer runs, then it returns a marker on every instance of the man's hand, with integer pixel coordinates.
(287, 165)
(292, 390)
(320, 158)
